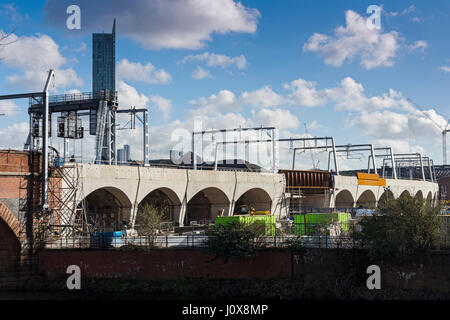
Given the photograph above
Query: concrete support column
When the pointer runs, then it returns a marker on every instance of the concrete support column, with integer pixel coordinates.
(182, 213)
(232, 206)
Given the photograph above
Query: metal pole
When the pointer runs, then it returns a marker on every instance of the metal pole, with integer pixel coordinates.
(215, 156)
(194, 158)
(146, 138)
(273, 152)
(293, 159)
(108, 137)
(394, 169)
(429, 168)
(421, 166)
(374, 162)
(45, 131)
(335, 157)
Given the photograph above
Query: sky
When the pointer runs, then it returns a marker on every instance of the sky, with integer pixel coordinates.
(305, 67)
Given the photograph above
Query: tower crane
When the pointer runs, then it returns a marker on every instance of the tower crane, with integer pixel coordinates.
(444, 131)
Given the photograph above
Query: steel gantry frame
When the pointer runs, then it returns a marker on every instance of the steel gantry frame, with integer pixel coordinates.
(44, 102)
(415, 158)
(202, 133)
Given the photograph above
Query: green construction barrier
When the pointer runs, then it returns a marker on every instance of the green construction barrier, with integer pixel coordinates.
(308, 224)
(268, 222)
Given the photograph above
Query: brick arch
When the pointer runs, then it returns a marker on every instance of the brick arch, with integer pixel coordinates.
(11, 220)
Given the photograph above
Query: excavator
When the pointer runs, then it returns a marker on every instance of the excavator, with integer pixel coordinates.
(248, 210)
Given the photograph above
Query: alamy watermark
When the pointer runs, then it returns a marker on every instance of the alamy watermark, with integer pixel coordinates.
(374, 281)
(74, 19)
(374, 21)
(74, 280)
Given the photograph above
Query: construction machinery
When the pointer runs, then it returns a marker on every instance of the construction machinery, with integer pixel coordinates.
(248, 210)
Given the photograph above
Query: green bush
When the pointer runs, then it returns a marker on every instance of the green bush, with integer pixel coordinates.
(402, 228)
(235, 240)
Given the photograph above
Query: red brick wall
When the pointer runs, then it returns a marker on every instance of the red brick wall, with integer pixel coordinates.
(9, 248)
(14, 161)
(165, 264)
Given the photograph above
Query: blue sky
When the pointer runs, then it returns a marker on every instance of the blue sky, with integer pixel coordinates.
(282, 63)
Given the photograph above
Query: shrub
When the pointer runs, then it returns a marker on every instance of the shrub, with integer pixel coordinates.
(401, 228)
(235, 240)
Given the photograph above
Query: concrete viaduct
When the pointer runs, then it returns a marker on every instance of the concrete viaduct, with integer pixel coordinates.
(201, 195)
(189, 195)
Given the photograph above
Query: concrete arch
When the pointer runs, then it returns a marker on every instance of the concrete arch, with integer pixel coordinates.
(205, 205)
(385, 196)
(107, 208)
(257, 198)
(404, 193)
(10, 239)
(367, 199)
(429, 200)
(12, 222)
(344, 199)
(165, 199)
(419, 195)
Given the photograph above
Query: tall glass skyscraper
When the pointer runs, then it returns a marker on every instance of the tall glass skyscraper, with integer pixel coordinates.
(104, 60)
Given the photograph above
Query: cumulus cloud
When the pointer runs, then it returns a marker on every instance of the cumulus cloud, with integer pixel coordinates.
(217, 60)
(224, 100)
(263, 98)
(164, 105)
(200, 73)
(304, 93)
(138, 72)
(278, 118)
(14, 136)
(372, 47)
(130, 97)
(177, 24)
(349, 95)
(9, 108)
(34, 56)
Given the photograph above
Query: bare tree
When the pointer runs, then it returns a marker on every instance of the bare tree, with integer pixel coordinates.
(5, 38)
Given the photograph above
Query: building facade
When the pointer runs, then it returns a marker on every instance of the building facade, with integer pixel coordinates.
(104, 61)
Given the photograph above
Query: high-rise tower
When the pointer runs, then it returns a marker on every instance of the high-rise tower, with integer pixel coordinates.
(104, 60)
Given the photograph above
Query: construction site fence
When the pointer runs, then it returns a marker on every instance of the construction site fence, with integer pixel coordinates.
(197, 241)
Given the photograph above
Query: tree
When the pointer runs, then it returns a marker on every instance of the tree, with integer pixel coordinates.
(235, 240)
(402, 228)
(148, 221)
(5, 38)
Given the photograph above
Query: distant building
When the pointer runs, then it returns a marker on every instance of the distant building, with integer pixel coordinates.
(104, 60)
(123, 155)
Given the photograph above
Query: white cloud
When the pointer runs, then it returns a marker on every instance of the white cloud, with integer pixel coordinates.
(177, 24)
(217, 60)
(446, 69)
(130, 97)
(11, 11)
(263, 98)
(349, 95)
(356, 41)
(278, 118)
(419, 45)
(410, 9)
(147, 73)
(9, 108)
(14, 136)
(224, 101)
(200, 73)
(164, 105)
(34, 56)
(304, 93)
